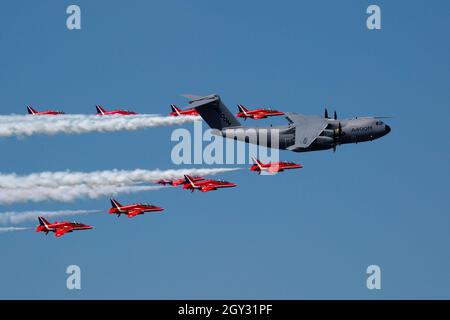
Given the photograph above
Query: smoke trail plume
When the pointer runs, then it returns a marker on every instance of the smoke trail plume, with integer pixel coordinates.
(9, 218)
(98, 178)
(76, 124)
(13, 229)
(67, 193)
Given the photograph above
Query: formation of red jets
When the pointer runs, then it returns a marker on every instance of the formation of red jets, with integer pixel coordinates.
(100, 112)
(188, 182)
(244, 113)
(255, 114)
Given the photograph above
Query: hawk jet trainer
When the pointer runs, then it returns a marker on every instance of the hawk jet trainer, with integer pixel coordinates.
(60, 228)
(177, 182)
(132, 210)
(206, 185)
(176, 112)
(257, 114)
(273, 167)
(102, 112)
(303, 133)
(33, 112)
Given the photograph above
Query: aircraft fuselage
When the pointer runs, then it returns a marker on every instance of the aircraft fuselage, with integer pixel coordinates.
(282, 137)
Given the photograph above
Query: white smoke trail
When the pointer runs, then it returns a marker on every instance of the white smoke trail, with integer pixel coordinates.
(13, 229)
(67, 193)
(98, 178)
(8, 218)
(77, 124)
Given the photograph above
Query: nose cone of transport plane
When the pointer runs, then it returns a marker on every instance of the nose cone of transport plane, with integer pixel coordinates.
(387, 129)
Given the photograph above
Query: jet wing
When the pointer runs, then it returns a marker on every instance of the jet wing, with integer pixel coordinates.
(260, 115)
(62, 231)
(307, 129)
(134, 213)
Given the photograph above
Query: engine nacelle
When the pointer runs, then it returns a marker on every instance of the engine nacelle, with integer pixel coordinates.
(323, 140)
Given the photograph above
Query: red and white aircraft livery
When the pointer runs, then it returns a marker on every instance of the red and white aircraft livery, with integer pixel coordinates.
(132, 210)
(273, 167)
(177, 182)
(60, 228)
(257, 113)
(43, 113)
(206, 185)
(176, 112)
(102, 112)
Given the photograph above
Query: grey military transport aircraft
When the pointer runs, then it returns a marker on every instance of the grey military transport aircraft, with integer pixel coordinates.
(302, 133)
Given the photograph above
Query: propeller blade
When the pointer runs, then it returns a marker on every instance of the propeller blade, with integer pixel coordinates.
(335, 115)
(326, 114)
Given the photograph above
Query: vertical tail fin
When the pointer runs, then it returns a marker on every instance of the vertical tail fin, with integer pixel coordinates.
(43, 222)
(189, 180)
(214, 112)
(31, 110)
(175, 109)
(256, 161)
(100, 110)
(242, 108)
(115, 204)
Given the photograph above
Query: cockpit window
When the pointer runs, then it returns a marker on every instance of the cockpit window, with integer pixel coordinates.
(379, 123)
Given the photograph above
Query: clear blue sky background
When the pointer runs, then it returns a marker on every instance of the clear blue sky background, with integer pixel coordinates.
(305, 234)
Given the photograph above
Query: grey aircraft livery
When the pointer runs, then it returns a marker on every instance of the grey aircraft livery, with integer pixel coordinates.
(302, 133)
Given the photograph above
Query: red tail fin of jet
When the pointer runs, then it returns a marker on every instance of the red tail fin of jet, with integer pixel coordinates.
(256, 161)
(115, 204)
(242, 108)
(100, 110)
(43, 222)
(31, 110)
(43, 225)
(189, 180)
(175, 109)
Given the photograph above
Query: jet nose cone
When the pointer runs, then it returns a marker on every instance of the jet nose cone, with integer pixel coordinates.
(387, 129)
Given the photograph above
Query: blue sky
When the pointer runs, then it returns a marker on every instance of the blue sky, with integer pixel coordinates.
(305, 234)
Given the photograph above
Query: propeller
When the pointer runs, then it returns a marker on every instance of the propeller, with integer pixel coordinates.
(336, 135)
(326, 114)
(335, 115)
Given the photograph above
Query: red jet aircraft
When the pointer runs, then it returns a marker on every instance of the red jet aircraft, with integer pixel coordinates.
(186, 112)
(177, 182)
(103, 112)
(257, 113)
(273, 167)
(43, 113)
(132, 210)
(60, 228)
(206, 185)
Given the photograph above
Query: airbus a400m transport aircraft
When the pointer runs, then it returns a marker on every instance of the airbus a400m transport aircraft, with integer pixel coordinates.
(302, 133)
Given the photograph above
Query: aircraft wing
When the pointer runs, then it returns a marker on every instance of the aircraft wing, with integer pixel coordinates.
(62, 231)
(307, 129)
(134, 213)
(260, 115)
(208, 188)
